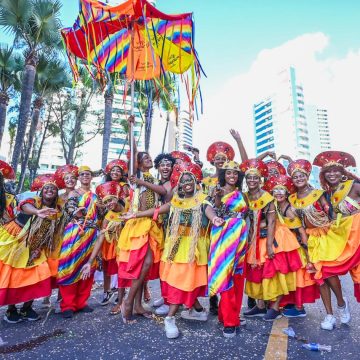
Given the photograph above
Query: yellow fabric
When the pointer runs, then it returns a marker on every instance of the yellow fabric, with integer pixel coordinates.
(341, 193)
(271, 289)
(308, 200)
(327, 244)
(261, 202)
(285, 238)
(13, 251)
(182, 255)
(188, 203)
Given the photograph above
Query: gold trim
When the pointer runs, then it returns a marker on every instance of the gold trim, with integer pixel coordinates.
(307, 200)
(261, 202)
(188, 203)
(341, 192)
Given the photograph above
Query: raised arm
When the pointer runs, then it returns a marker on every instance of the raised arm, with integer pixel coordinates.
(159, 189)
(236, 135)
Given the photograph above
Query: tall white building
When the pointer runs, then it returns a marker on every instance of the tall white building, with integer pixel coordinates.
(185, 129)
(319, 131)
(280, 121)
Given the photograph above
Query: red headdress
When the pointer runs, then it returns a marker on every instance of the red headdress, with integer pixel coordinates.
(334, 158)
(61, 171)
(281, 181)
(42, 180)
(179, 155)
(117, 162)
(6, 170)
(109, 189)
(340, 159)
(275, 165)
(180, 169)
(301, 165)
(254, 166)
(220, 147)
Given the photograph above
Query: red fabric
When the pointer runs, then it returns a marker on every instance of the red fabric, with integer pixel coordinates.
(11, 296)
(230, 303)
(328, 271)
(110, 267)
(301, 296)
(75, 296)
(54, 284)
(176, 296)
(357, 292)
(254, 274)
(132, 269)
(283, 262)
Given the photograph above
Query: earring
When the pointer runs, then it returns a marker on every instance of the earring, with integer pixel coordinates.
(344, 178)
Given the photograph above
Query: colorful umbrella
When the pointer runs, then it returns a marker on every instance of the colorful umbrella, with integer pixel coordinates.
(133, 39)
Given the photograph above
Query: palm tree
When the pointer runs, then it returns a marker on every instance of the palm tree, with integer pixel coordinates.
(9, 78)
(51, 77)
(35, 25)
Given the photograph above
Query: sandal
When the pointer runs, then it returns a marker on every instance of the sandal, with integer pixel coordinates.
(146, 314)
(116, 309)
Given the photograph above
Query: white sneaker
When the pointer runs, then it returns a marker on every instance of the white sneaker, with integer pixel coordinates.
(192, 314)
(171, 330)
(242, 321)
(162, 310)
(345, 313)
(158, 302)
(328, 323)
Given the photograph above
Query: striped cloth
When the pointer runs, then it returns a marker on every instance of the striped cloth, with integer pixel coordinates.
(228, 246)
(78, 242)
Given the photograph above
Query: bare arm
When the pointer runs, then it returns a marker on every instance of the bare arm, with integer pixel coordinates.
(159, 189)
(163, 209)
(133, 147)
(243, 154)
(270, 216)
(266, 154)
(29, 209)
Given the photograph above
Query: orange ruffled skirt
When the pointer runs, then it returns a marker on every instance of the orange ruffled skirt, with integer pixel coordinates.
(267, 279)
(19, 283)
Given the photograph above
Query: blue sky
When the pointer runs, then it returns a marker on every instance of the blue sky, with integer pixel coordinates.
(230, 33)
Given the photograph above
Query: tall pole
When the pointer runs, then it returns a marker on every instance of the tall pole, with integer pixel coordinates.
(132, 91)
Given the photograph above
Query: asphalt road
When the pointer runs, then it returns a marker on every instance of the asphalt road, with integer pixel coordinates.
(103, 336)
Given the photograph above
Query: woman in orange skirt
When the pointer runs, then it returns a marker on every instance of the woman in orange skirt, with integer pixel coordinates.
(7, 200)
(343, 190)
(25, 244)
(326, 239)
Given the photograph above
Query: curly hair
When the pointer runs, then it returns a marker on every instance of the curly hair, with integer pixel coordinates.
(325, 185)
(163, 156)
(239, 182)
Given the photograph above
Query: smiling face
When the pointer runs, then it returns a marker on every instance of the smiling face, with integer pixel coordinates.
(187, 184)
(146, 162)
(85, 178)
(253, 181)
(49, 192)
(231, 177)
(164, 169)
(110, 202)
(333, 175)
(280, 194)
(116, 173)
(300, 179)
(273, 172)
(70, 181)
(219, 160)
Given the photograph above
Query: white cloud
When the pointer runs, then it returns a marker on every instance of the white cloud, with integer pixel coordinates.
(331, 82)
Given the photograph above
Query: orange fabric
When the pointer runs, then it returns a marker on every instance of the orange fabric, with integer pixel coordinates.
(16, 277)
(53, 266)
(186, 277)
(108, 250)
(355, 274)
(285, 238)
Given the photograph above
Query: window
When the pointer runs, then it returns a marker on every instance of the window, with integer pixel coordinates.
(263, 114)
(262, 107)
(265, 134)
(264, 128)
(265, 141)
(268, 147)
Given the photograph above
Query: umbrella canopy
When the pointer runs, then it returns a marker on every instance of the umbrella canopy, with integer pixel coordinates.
(108, 36)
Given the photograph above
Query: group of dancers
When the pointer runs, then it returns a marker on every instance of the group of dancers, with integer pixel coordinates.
(253, 226)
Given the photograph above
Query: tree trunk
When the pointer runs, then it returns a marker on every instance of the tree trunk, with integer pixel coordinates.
(38, 104)
(148, 124)
(25, 105)
(109, 97)
(4, 101)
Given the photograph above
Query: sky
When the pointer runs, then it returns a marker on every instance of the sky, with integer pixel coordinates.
(243, 43)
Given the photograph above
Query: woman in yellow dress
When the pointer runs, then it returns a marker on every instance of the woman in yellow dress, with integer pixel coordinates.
(326, 239)
(343, 189)
(7, 200)
(25, 244)
(183, 267)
